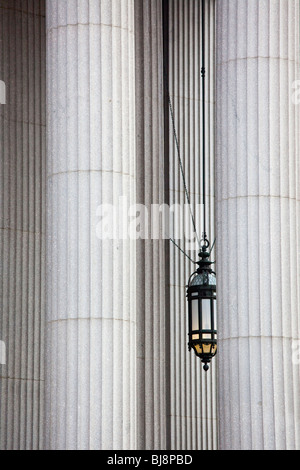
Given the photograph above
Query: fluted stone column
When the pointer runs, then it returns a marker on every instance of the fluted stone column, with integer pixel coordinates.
(193, 399)
(22, 223)
(258, 223)
(91, 315)
(106, 381)
(152, 386)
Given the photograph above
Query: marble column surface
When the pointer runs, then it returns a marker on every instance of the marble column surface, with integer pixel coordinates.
(91, 314)
(257, 199)
(106, 385)
(22, 223)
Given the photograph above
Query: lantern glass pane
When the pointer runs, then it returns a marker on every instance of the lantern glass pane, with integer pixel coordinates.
(215, 315)
(204, 279)
(206, 314)
(206, 336)
(195, 315)
(206, 348)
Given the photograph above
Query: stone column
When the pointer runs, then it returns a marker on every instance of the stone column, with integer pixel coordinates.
(193, 397)
(22, 223)
(106, 385)
(91, 314)
(152, 389)
(258, 224)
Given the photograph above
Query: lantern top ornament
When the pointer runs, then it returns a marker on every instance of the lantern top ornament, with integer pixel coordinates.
(204, 274)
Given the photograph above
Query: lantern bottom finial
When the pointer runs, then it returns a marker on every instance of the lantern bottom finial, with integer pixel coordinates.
(206, 367)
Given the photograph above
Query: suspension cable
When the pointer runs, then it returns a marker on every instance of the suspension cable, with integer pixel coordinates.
(203, 71)
(179, 156)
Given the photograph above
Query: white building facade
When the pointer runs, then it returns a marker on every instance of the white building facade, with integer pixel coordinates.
(93, 329)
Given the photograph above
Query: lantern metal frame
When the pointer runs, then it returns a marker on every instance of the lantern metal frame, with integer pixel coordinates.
(204, 347)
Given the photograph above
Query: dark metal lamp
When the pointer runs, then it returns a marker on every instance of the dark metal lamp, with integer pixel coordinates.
(202, 309)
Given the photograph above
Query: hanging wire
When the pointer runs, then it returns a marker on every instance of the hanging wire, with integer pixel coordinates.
(179, 155)
(212, 246)
(180, 249)
(203, 71)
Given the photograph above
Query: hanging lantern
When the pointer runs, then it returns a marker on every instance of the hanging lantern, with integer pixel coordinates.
(202, 310)
(201, 289)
